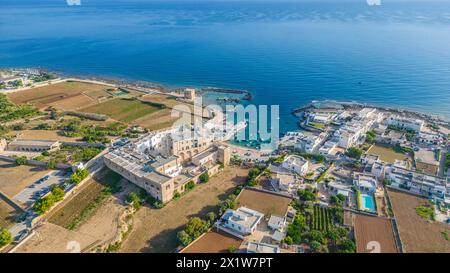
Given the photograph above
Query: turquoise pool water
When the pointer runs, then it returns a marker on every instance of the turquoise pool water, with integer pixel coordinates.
(368, 202)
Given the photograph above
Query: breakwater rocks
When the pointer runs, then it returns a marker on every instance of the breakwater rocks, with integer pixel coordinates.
(247, 94)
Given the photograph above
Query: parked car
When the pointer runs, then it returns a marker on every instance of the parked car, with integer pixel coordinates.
(22, 235)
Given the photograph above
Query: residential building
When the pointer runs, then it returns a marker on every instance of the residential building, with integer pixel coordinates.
(417, 183)
(311, 143)
(296, 164)
(328, 148)
(242, 221)
(406, 123)
(277, 223)
(365, 182)
(430, 138)
(286, 182)
(353, 132)
(344, 189)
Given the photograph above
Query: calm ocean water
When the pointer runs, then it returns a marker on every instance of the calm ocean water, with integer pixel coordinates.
(285, 53)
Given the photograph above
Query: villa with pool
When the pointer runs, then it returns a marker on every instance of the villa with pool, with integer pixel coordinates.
(367, 186)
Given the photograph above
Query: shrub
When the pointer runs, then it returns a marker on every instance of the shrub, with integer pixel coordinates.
(426, 212)
(135, 200)
(347, 246)
(18, 127)
(79, 175)
(158, 204)
(176, 195)
(316, 157)
(193, 229)
(238, 189)
(184, 238)
(189, 185)
(232, 249)
(370, 136)
(211, 217)
(288, 240)
(229, 203)
(306, 195)
(5, 237)
(204, 177)
(354, 152)
(51, 164)
(21, 160)
(358, 199)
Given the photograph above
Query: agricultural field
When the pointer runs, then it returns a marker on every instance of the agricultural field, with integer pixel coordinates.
(65, 95)
(161, 119)
(417, 234)
(156, 121)
(41, 134)
(369, 229)
(125, 110)
(76, 210)
(387, 154)
(264, 202)
(322, 219)
(213, 242)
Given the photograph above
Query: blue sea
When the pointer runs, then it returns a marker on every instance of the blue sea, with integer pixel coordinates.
(285, 53)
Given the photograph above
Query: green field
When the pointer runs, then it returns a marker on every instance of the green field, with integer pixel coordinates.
(317, 125)
(387, 154)
(125, 110)
(322, 219)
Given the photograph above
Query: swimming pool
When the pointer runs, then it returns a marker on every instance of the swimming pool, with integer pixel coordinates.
(367, 202)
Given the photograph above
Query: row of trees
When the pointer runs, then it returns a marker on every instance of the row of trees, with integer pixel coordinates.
(78, 176)
(44, 204)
